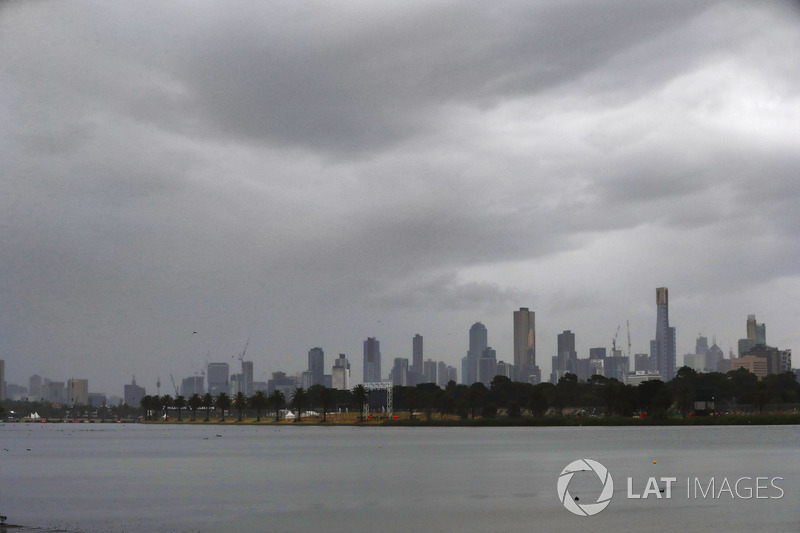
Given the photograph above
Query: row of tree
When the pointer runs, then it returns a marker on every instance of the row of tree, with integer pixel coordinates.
(726, 392)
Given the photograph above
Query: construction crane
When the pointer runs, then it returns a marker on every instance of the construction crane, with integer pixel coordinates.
(614, 341)
(174, 386)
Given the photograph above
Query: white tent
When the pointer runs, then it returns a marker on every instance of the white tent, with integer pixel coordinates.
(289, 415)
(35, 416)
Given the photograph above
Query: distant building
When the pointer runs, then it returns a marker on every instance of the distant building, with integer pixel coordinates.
(778, 361)
(78, 391)
(429, 371)
(452, 374)
(641, 362)
(218, 375)
(192, 385)
(35, 387)
(372, 360)
(280, 381)
(441, 374)
(16, 392)
(416, 360)
(133, 393)
(663, 356)
(56, 392)
(639, 376)
(525, 344)
(399, 373)
(316, 365)
(487, 366)
(478, 342)
(96, 399)
(340, 378)
(597, 353)
(247, 378)
(753, 364)
(756, 334)
(504, 369)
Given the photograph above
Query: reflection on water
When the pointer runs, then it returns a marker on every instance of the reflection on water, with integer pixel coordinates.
(98, 477)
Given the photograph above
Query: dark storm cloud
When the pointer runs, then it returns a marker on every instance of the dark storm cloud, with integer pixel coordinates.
(296, 171)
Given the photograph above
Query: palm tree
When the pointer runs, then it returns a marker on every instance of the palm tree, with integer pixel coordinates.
(360, 397)
(240, 403)
(166, 403)
(277, 401)
(195, 401)
(223, 403)
(259, 401)
(208, 403)
(180, 403)
(299, 402)
(326, 399)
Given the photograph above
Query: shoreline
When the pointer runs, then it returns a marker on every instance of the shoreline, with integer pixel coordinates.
(767, 419)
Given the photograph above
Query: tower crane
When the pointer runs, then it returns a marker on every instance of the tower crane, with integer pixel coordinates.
(614, 341)
(174, 386)
(628, 322)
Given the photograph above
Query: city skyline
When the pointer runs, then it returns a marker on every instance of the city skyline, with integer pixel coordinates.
(174, 186)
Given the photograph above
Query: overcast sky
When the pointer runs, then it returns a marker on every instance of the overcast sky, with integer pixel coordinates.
(310, 174)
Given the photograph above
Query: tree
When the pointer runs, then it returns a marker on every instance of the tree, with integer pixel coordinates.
(323, 397)
(180, 403)
(166, 403)
(194, 403)
(761, 396)
(277, 401)
(240, 403)
(299, 402)
(223, 403)
(476, 396)
(360, 397)
(259, 402)
(208, 403)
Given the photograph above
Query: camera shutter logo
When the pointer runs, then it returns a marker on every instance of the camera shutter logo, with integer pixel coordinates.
(585, 509)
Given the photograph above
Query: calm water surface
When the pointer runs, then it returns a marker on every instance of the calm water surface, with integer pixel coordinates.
(104, 477)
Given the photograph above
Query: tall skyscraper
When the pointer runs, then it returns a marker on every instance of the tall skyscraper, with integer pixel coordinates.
(478, 342)
(218, 375)
(133, 393)
(416, 355)
(316, 365)
(247, 378)
(35, 387)
(524, 343)
(664, 344)
(372, 360)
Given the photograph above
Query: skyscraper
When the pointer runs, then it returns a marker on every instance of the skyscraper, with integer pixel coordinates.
(478, 342)
(524, 343)
(247, 378)
(416, 360)
(218, 375)
(372, 360)
(664, 344)
(316, 365)
(400, 372)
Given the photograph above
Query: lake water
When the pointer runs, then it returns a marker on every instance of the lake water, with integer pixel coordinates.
(136, 478)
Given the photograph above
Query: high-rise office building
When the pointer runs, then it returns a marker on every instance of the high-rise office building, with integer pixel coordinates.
(664, 358)
(316, 365)
(78, 391)
(35, 387)
(400, 372)
(247, 378)
(487, 366)
(218, 375)
(340, 377)
(525, 344)
(441, 374)
(192, 385)
(429, 371)
(597, 353)
(415, 371)
(372, 360)
(478, 342)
